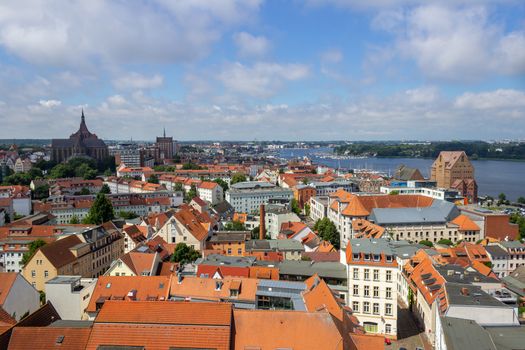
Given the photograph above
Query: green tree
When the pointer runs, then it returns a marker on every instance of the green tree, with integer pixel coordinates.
(521, 200)
(305, 181)
(105, 189)
(502, 198)
(101, 211)
(394, 192)
(295, 206)
(41, 192)
(74, 220)
(85, 171)
(520, 221)
(192, 193)
(234, 226)
(427, 243)
(306, 209)
(178, 187)
(191, 166)
(445, 241)
(61, 171)
(184, 254)
(154, 179)
(83, 192)
(238, 177)
(327, 231)
(128, 215)
(33, 247)
(222, 183)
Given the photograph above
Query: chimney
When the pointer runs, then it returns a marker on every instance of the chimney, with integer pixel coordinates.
(262, 222)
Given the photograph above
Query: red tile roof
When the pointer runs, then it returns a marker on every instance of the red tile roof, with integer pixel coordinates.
(7, 279)
(46, 338)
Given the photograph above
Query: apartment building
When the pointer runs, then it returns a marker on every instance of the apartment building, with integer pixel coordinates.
(211, 192)
(87, 254)
(372, 284)
(246, 197)
(506, 256)
(70, 295)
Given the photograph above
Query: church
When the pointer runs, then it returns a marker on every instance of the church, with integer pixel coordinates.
(80, 144)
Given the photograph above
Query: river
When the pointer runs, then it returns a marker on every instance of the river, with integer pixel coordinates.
(493, 176)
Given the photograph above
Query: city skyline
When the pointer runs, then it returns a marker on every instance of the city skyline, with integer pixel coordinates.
(245, 70)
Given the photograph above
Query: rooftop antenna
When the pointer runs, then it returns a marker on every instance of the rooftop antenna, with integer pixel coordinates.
(164, 131)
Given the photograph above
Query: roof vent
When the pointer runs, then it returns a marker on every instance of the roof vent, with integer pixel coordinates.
(60, 339)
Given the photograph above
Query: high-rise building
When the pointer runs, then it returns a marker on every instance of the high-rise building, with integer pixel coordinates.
(452, 169)
(166, 146)
(80, 144)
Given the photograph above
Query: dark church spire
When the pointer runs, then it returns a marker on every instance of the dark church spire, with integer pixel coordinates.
(164, 131)
(83, 127)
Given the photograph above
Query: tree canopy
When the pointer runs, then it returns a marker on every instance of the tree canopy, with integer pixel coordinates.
(327, 231)
(234, 226)
(105, 189)
(184, 254)
(33, 247)
(101, 211)
(238, 177)
(222, 183)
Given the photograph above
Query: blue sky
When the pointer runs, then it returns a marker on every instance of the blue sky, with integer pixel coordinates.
(265, 70)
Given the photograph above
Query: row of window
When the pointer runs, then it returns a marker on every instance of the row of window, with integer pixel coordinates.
(388, 310)
(366, 274)
(375, 291)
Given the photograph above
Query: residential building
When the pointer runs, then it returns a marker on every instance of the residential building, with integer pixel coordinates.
(188, 226)
(139, 262)
(134, 172)
(275, 216)
(452, 169)
(88, 254)
(17, 297)
(246, 197)
(211, 192)
(289, 248)
(515, 282)
(372, 284)
(74, 187)
(229, 243)
(20, 197)
(22, 165)
(506, 256)
(318, 207)
(134, 235)
(404, 173)
(70, 295)
(303, 193)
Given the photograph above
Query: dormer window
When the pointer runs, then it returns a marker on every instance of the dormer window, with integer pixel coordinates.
(367, 257)
(356, 256)
(377, 257)
(389, 258)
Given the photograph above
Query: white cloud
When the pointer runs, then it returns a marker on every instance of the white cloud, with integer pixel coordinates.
(251, 45)
(87, 33)
(457, 44)
(136, 81)
(332, 56)
(499, 99)
(261, 79)
(50, 103)
(487, 115)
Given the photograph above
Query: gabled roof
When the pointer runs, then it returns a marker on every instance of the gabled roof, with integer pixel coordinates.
(165, 312)
(465, 223)
(58, 252)
(138, 262)
(449, 158)
(7, 279)
(206, 288)
(145, 287)
(208, 185)
(46, 338)
(192, 223)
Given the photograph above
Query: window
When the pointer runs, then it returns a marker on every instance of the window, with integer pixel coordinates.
(33, 273)
(376, 292)
(355, 256)
(388, 309)
(46, 273)
(366, 307)
(389, 276)
(229, 251)
(367, 274)
(356, 273)
(389, 258)
(377, 257)
(356, 290)
(376, 275)
(389, 292)
(367, 257)
(370, 327)
(388, 328)
(375, 309)
(367, 291)
(355, 306)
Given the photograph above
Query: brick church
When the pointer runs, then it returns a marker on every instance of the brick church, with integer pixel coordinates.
(80, 144)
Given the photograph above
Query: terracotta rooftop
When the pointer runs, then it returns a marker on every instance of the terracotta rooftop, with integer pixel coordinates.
(139, 262)
(191, 222)
(58, 252)
(465, 223)
(46, 338)
(7, 279)
(206, 288)
(138, 287)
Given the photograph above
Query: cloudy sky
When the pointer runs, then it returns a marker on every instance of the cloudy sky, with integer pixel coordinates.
(265, 70)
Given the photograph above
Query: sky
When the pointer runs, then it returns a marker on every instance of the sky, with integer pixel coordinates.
(264, 70)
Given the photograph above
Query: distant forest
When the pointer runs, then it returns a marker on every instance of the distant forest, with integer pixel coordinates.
(474, 149)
